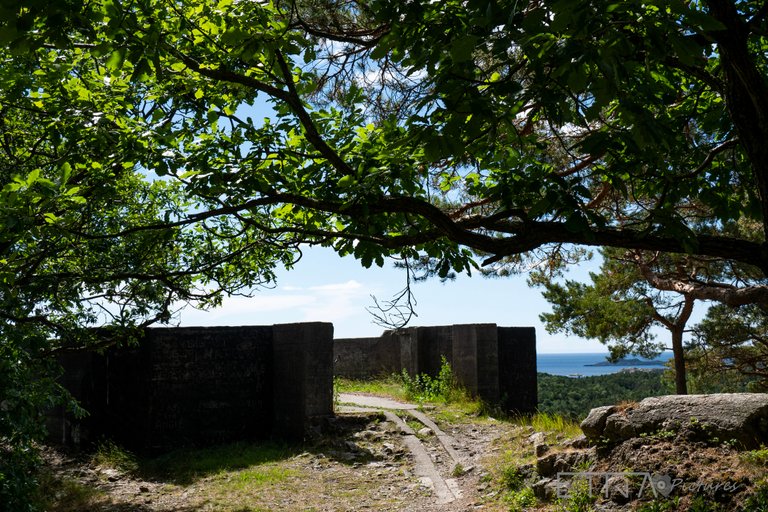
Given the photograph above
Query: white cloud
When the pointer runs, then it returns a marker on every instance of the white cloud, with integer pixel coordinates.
(326, 303)
(349, 287)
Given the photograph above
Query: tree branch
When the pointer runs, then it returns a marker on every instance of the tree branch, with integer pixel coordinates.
(727, 294)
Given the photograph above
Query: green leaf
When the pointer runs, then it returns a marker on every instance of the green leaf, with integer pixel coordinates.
(116, 59)
(462, 48)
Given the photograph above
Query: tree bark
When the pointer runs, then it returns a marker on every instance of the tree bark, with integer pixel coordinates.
(728, 294)
(746, 92)
(681, 387)
(677, 329)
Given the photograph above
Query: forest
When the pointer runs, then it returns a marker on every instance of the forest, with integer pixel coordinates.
(574, 397)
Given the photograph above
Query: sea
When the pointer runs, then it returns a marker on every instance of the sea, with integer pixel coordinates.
(577, 365)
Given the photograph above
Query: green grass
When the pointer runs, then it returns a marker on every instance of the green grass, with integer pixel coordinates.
(187, 466)
(389, 387)
(246, 479)
(551, 423)
(453, 401)
(521, 500)
(110, 455)
(66, 495)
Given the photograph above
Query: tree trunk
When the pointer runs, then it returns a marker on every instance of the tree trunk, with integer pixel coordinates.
(681, 387)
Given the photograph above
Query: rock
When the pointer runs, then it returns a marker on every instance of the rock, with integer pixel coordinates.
(143, 488)
(618, 428)
(560, 462)
(539, 441)
(594, 424)
(545, 466)
(111, 475)
(577, 442)
(526, 471)
(616, 489)
(742, 417)
(369, 435)
(425, 432)
(388, 448)
(545, 489)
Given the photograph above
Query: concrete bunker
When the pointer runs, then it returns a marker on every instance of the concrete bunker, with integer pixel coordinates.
(200, 385)
(498, 364)
(206, 385)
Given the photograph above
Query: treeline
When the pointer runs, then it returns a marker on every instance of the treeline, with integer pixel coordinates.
(574, 398)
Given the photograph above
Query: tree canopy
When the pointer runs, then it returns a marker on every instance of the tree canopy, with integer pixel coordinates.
(425, 128)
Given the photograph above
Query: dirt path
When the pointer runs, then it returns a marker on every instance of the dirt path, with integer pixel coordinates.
(440, 464)
(376, 454)
(446, 489)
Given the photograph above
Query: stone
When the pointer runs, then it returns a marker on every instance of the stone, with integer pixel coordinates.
(742, 417)
(619, 427)
(616, 489)
(425, 432)
(541, 449)
(560, 462)
(112, 475)
(577, 442)
(545, 489)
(594, 424)
(545, 466)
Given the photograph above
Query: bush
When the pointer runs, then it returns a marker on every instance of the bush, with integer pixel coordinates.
(27, 390)
(758, 500)
(424, 388)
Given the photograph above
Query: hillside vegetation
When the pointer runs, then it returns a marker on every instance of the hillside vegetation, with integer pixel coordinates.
(574, 398)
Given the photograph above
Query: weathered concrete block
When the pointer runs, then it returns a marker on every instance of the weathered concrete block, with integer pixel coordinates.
(408, 340)
(518, 386)
(496, 363)
(303, 375)
(434, 343)
(476, 359)
(200, 385)
(362, 358)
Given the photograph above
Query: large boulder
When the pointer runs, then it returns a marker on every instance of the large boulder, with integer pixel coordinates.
(742, 417)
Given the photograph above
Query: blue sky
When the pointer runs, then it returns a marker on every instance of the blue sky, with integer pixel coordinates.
(325, 287)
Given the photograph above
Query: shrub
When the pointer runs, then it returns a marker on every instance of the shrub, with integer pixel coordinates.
(424, 388)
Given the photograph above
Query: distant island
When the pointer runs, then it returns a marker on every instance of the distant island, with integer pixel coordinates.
(628, 362)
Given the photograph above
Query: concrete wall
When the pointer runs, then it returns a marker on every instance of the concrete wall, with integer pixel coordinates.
(518, 385)
(366, 357)
(201, 385)
(496, 363)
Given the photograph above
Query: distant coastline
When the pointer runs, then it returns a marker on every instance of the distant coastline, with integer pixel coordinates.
(628, 362)
(592, 364)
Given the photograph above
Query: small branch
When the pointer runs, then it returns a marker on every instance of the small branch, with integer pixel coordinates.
(711, 156)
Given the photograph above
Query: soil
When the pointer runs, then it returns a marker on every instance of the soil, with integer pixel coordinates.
(360, 461)
(354, 462)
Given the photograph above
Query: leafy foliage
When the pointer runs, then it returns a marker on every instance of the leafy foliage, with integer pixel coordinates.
(575, 397)
(733, 343)
(413, 129)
